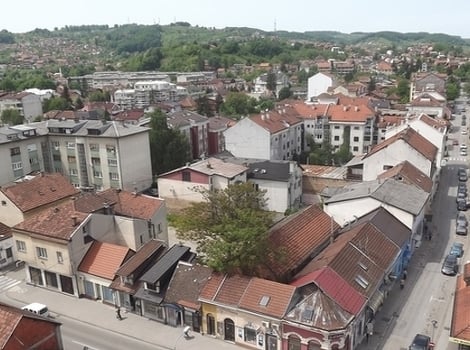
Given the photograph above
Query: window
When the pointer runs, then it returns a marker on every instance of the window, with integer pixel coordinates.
(9, 252)
(98, 174)
(336, 126)
(21, 246)
(56, 158)
(15, 151)
(186, 176)
(4, 203)
(51, 279)
(73, 172)
(355, 149)
(356, 138)
(55, 145)
(60, 258)
(250, 335)
(94, 147)
(293, 342)
(71, 159)
(41, 252)
(112, 162)
(17, 166)
(110, 149)
(114, 176)
(95, 161)
(70, 145)
(336, 138)
(356, 128)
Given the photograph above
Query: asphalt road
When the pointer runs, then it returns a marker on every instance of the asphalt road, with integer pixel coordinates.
(428, 294)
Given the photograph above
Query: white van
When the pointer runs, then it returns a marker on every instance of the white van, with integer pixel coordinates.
(37, 308)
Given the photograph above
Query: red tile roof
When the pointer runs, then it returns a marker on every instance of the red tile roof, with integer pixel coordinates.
(460, 323)
(407, 172)
(275, 122)
(350, 113)
(104, 259)
(5, 231)
(9, 320)
(41, 190)
(277, 297)
(300, 235)
(411, 137)
(59, 222)
(131, 204)
(336, 288)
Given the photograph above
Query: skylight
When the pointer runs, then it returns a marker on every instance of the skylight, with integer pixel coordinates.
(264, 300)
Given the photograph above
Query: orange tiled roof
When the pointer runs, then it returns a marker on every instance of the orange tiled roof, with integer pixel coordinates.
(412, 174)
(350, 113)
(5, 231)
(41, 190)
(415, 140)
(56, 222)
(225, 289)
(9, 319)
(300, 235)
(104, 259)
(460, 323)
(131, 204)
(310, 111)
(275, 122)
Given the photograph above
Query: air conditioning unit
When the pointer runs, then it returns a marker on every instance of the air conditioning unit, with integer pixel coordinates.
(266, 324)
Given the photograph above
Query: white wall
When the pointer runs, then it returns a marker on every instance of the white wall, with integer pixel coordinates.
(176, 189)
(392, 155)
(318, 84)
(246, 139)
(346, 211)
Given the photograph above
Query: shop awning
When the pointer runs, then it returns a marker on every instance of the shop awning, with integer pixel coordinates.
(376, 300)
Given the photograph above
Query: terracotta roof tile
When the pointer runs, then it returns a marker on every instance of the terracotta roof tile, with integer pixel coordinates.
(225, 289)
(275, 122)
(407, 172)
(9, 319)
(104, 259)
(57, 222)
(186, 284)
(5, 231)
(460, 323)
(210, 289)
(350, 113)
(336, 288)
(300, 235)
(131, 204)
(267, 297)
(415, 140)
(41, 190)
(148, 250)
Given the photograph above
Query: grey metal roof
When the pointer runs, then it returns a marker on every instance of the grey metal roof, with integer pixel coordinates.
(395, 193)
(165, 263)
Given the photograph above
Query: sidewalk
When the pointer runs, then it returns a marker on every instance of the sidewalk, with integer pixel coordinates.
(104, 317)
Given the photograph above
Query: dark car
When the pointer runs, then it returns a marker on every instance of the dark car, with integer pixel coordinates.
(462, 205)
(462, 188)
(461, 230)
(456, 249)
(420, 342)
(449, 266)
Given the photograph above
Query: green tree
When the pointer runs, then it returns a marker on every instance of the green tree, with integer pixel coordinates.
(344, 155)
(284, 93)
(55, 103)
(230, 228)
(271, 82)
(238, 104)
(12, 117)
(452, 91)
(169, 148)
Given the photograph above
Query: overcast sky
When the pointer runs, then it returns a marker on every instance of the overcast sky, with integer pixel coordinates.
(449, 17)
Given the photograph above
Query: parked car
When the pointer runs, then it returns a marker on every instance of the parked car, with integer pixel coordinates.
(462, 205)
(37, 308)
(463, 153)
(461, 196)
(462, 188)
(456, 249)
(450, 266)
(420, 342)
(461, 230)
(461, 219)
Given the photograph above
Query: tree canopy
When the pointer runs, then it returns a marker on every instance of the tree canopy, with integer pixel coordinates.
(11, 117)
(230, 228)
(169, 148)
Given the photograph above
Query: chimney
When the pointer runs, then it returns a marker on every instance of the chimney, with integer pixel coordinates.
(74, 220)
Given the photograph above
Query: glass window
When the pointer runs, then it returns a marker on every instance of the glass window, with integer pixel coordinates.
(21, 246)
(112, 162)
(41, 252)
(15, 151)
(293, 342)
(250, 335)
(51, 279)
(17, 165)
(70, 145)
(60, 258)
(114, 176)
(94, 147)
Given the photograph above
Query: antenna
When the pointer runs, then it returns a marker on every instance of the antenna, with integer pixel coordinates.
(275, 29)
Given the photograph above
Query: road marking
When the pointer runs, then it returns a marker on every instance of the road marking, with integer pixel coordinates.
(7, 283)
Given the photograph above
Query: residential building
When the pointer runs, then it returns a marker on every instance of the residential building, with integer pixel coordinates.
(319, 83)
(432, 104)
(21, 151)
(245, 310)
(426, 82)
(22, 199)
(409, 145)
(183, 184)
(25, 330)
(155, 281)
(127, 278)
(98, 154)
(7, 250)
(407, 203)
(27, 104)
(460, 324)
(260, 84)
(409, 174)
(216, 139)
(98, 269)
(183, 294)
(196, 129)
(273, 135)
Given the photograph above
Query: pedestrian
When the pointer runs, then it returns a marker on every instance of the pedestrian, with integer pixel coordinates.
(369, 330)
(402, 283)
(405, 274)
(118, 314)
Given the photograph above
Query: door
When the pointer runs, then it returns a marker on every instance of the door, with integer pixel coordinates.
(229, 330)
(271, 342)
(89, 289)
(210, 324)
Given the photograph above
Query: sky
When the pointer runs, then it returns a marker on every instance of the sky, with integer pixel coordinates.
(345, 16)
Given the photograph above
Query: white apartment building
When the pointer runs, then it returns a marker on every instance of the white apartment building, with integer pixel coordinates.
(27, 104)
(92, 154)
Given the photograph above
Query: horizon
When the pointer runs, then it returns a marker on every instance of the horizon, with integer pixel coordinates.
(361, 16)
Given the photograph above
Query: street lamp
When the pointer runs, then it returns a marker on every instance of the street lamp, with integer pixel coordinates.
(185, 334)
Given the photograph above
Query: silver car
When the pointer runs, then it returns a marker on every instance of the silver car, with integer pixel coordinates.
(461, 219)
